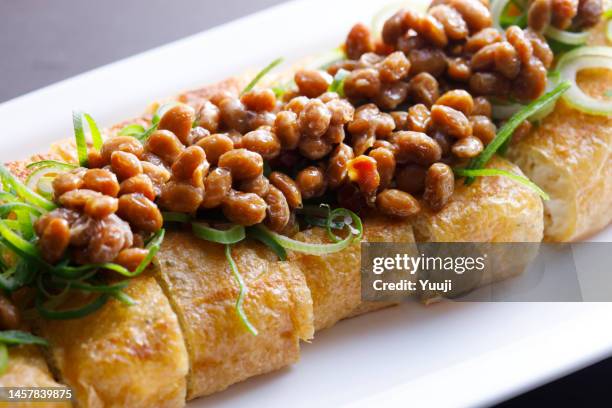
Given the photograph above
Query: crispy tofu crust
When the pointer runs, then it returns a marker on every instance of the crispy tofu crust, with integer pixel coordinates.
(334, 279)
(184, 339)
(122, 356)
(492, 209)
(197, 278)
(28, 368)
(570, 156)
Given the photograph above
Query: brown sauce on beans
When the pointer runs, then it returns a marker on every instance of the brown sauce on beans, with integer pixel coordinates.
(414, 104)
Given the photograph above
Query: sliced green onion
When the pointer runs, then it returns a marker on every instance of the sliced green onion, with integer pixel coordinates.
(153, 246)
(96, 137)
(338, 83)
(145, 136)
(317, 216)
(4, 358)
(23, 192)
(609, 31)
(501, 111)
(243, 290)
(26, 225)
(68, 314)
(79, 136)
(509, 127)
(18, 275)
(19, 245)
(566, 37)
(321, 222)
(347, 219)
(261, 74)
(553, 79)
(573, 62)
(124, 298)
(497, 172)
(498, 8)
(45, 187)
(170, 216)
(15, 337)
(262, 235)
(131, 130)
(52, 163)
(355, 234)
(10, 207)
(139, 132)
(35, 180)
(71, 272)
(229, 236)
(7, 197)
(588, 51)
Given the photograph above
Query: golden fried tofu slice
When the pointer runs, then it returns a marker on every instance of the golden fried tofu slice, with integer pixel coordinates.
(569, 155)
(492, 209)
(335, 279)
(122, 356)
(197, 279)
(28, 368)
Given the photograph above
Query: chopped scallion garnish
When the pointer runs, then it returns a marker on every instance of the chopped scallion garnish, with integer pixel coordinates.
(132, 130)
(52, 163)
(355, 234)
(96, 136)
(337, 84)
(497, 172)
(509, 127)
(170, 216)
(79, 136)
(23, 192)
(230, 236)
(261, 74)
(16, 337)
(243, 290)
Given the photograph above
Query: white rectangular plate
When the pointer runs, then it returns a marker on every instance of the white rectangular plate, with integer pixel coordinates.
(451, 354)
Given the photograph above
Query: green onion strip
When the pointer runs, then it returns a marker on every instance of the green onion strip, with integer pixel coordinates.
(15, 337)
(131, 130)
(509, 127)
(72, 272)
(52, 163)
(79, 136)
(261, 74)
(337, 84)
(498, 172)
(23, 192)
(170, 216)
(230, 236)
(96, 137)
(243, 290)
(355, 234)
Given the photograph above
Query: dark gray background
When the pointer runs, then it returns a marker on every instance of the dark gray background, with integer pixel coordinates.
(45, 41)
